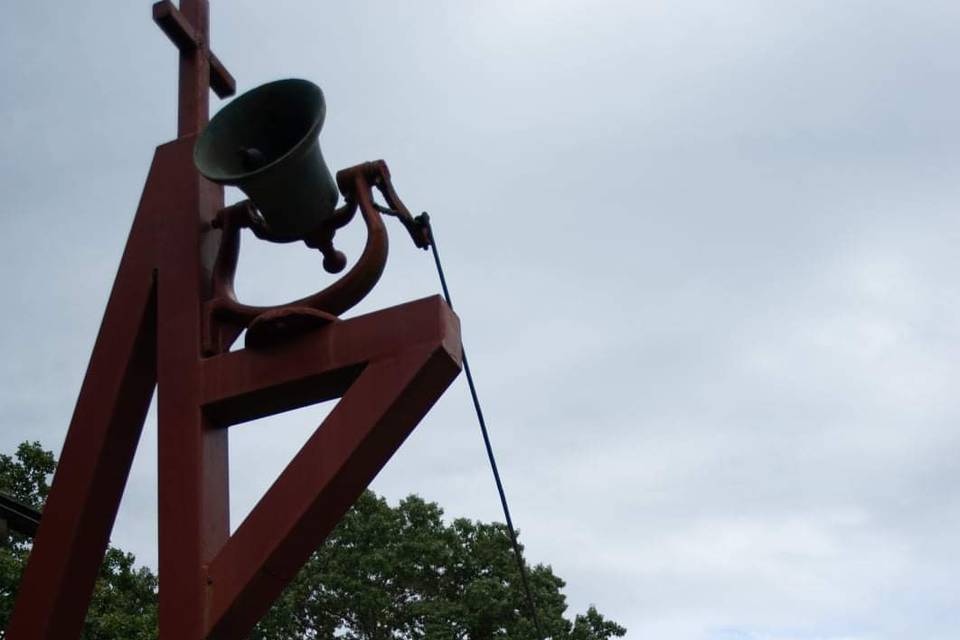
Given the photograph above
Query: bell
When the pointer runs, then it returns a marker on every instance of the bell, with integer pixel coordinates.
(265, 143)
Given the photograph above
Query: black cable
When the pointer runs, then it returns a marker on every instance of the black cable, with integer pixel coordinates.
(424, 220)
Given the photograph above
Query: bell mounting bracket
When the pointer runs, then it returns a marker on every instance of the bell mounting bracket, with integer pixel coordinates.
(225, 317)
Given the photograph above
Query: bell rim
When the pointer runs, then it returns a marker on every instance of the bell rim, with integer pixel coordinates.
(308, 139)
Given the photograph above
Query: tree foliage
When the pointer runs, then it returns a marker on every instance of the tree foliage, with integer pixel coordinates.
(124, 602)
(24, 477)
(385, 573)
(402, 573)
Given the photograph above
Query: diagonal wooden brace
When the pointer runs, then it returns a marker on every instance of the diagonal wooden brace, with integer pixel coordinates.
(401, 375)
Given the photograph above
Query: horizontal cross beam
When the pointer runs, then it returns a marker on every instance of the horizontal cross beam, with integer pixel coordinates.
(185, 37)
(248, 384)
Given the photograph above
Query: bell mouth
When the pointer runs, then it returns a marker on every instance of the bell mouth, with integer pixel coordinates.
(260, 129)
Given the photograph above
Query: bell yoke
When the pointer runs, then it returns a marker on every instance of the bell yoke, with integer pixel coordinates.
(266, 143)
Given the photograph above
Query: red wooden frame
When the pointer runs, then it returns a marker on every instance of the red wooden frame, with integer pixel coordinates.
(389, 367)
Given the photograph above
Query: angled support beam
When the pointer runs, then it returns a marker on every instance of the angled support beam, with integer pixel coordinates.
(392, 393)
(99, 448)
(156, 299)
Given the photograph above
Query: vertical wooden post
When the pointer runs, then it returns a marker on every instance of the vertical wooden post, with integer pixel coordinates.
(192, 455)
(194, 107)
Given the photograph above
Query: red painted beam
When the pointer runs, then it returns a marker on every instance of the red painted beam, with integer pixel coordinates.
(249, 384)
(328, 474)
(100, 444)
(192, 460)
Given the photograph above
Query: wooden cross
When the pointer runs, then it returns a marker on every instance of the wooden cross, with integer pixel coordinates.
(200, 70)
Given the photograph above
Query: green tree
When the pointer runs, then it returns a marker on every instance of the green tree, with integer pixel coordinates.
(385, 573)
(124, 602)
(24, 477)
(402, 573)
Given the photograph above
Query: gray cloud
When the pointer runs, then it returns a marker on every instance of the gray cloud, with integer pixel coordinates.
(703, 256)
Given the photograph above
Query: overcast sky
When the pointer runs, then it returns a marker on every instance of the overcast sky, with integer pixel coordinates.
(704, 254)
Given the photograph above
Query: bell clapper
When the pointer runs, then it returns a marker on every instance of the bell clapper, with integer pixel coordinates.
(334, 261)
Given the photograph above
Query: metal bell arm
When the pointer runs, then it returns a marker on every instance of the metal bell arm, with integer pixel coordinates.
(226, 317)
(416, 227)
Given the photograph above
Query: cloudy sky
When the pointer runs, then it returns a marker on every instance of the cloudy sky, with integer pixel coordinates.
(704, 254)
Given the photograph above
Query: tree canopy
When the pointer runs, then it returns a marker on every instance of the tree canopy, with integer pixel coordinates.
(385, 573)
(124, 598)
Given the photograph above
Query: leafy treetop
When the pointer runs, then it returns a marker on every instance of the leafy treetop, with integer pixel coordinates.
(385, 573)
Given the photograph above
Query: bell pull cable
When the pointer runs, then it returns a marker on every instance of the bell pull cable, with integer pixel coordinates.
(423, 222)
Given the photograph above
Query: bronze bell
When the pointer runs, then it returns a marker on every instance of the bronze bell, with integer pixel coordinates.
(265, 142)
